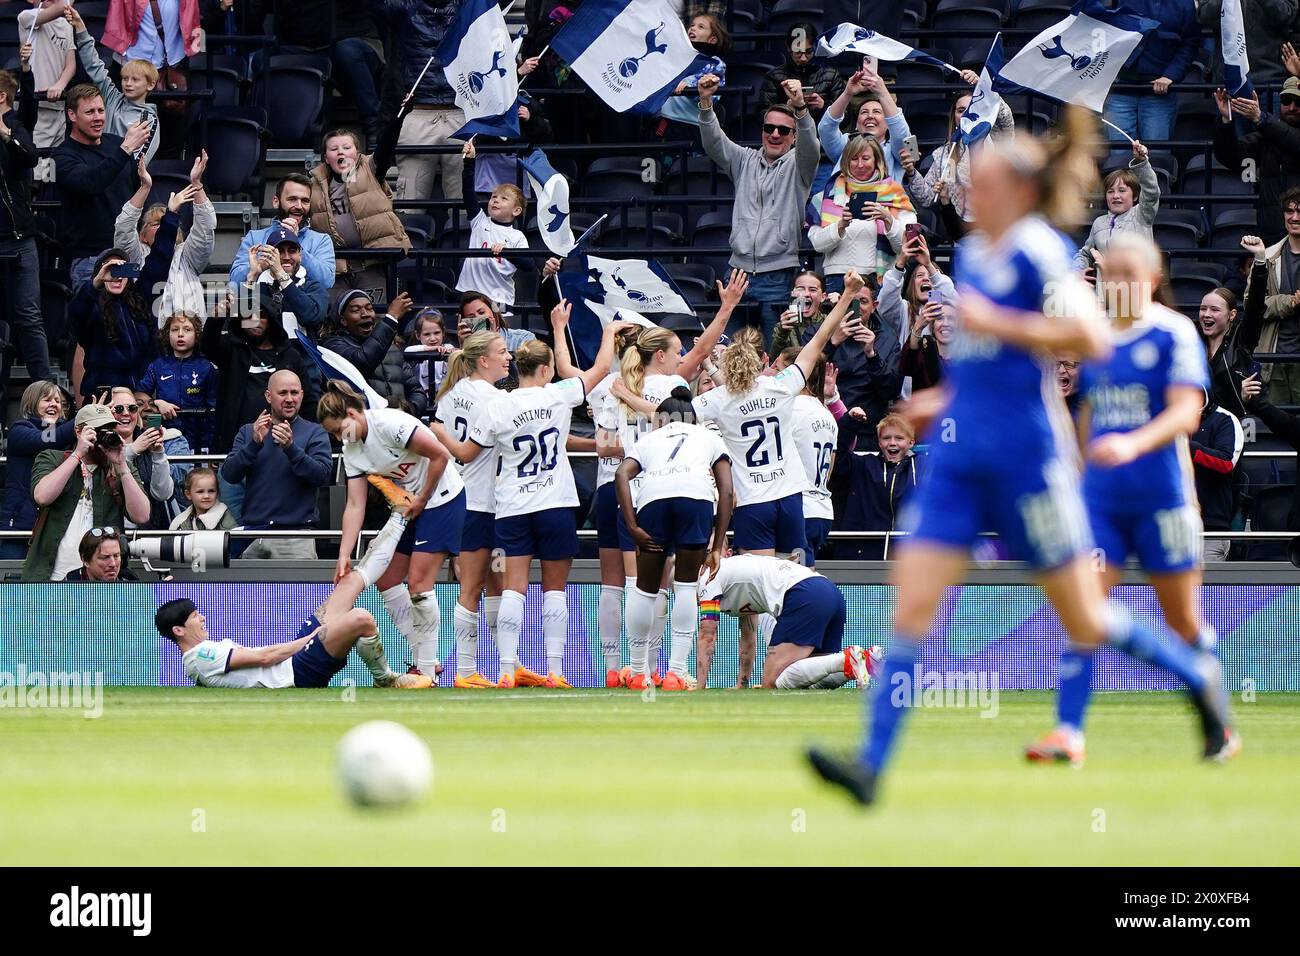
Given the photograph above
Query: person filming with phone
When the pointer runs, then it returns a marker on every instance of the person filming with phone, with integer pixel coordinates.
(92, 486)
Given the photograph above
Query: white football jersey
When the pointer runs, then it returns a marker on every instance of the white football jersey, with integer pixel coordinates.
(759, 431)
(529, 427)
(605, 418)
(208, 664)
(494, 276)
(751, 583)
(815, 434)
(460, 411)
(677, 462)
(384, 453)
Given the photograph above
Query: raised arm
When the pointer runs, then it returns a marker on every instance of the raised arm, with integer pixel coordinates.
(730, 296)
(808, 356)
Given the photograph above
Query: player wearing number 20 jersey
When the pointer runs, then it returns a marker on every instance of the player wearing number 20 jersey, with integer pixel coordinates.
(461, 411)
(758, 429)
(535, 493)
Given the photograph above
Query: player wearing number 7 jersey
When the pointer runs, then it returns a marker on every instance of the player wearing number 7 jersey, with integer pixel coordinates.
(467, 392)
(535, 495)
(394, 445)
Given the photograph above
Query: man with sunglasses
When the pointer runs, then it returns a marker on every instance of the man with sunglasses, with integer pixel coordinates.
(102, 560)
(771, 186)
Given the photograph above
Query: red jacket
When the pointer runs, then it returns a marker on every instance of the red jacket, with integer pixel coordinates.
(124, 18)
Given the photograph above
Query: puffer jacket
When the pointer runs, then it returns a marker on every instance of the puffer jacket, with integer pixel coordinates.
(416, 29)
(376, 357)
(371, 203)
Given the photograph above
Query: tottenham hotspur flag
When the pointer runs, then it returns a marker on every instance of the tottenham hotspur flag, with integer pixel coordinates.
(632, 53)
(479, 62)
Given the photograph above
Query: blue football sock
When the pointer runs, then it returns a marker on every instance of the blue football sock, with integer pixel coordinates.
(1148, 642)
(889, 701)
(1076, 685)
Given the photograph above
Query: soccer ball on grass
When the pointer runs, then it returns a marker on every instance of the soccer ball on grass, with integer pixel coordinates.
(383, 764)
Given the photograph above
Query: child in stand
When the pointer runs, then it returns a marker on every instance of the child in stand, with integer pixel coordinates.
(181, 380)
(422, 377)
(128, 105)
(491, 228)
(1132, 201)
(44, 30)
(206, 512)
(710, 39)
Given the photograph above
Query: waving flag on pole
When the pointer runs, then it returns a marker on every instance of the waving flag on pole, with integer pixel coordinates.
(479, 61)
(552, 192)
(1232, 37)
(632, 53)
(603, 290)
(1077, 60)
(850, 38)
(333, 365)
(977, 122)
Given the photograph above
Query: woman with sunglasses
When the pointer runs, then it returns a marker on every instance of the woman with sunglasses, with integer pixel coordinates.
(147, 449)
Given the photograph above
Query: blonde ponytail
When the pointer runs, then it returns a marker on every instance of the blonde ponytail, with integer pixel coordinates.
(633, 364)
(464, 361)
(338, 397)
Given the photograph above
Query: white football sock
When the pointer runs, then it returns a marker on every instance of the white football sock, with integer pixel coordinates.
(426, 617)
(810, 671)
(491, 612)
(766, 624)
(609, 619)
(639, 613)
(371, 651)
(555, 628)
(1207, 639)
(686, 616)
(509, 620)
(397, 602)
(832, 682)
(657, 632)
(379, 554)
(466, 625)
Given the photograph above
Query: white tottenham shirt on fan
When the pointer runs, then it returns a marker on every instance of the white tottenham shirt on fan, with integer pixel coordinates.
(385, 453)
(208, 664)
(493, 276)
(677, 462)
(815, 434)
(751, 583)
(461, 411)
(530, 427)
(758, 429)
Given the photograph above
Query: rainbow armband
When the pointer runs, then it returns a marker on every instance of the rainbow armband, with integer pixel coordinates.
(710, 611)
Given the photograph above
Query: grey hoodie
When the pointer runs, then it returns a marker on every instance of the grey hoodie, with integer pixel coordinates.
(767, 219)
(1138, 220)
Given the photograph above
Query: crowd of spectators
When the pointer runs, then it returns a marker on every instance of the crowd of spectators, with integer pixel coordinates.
(155, 364)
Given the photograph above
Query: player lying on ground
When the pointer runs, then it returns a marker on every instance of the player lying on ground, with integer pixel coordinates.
(805, 648)
(317, 653)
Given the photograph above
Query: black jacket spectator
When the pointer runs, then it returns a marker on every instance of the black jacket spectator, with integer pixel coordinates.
(1267, 24)
(280, 484)
(246, 359)
(1275, 147)
(1216, 449)
(118, 332)
(414, 31)
(93, 184)
(17, 159)
(375, 355)
(1233, 361)
(874, 491)
(823, 78)
(28, 437)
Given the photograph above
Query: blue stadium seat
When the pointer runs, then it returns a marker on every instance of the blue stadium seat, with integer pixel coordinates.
(1230, 225)
(238, 135)
(786, 13)
(615, 184)
(294, 98)
(1178, 228)
(1040, 14)
(964, 20)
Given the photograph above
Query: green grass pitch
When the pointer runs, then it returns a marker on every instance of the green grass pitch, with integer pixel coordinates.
(210, 777)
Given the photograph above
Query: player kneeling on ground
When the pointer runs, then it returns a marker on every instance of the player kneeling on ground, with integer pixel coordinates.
(319, 651)
(805, 648)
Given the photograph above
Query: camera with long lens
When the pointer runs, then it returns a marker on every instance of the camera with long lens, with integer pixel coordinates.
(197, 550)
(107, 439)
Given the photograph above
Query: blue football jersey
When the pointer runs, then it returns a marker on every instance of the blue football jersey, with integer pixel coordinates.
(1127, 391)
(1006, 409)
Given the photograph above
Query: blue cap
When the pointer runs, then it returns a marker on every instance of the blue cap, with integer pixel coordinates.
(281, 234)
